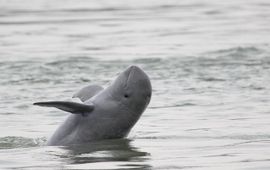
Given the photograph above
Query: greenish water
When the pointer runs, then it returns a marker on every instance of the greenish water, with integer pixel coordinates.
(209, 64)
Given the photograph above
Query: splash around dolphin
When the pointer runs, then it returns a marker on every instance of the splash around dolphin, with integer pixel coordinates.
(104, 113)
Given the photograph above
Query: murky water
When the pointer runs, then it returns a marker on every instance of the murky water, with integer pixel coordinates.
(209, 63)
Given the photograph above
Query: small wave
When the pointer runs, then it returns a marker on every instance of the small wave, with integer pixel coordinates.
(238, 52)
(10, 142)
(70, 60)
(174, 106)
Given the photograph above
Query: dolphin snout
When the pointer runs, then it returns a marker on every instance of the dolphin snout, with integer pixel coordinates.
(131, 70)
(136, 74)
(134, 70)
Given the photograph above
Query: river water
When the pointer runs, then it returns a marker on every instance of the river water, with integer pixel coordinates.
(209, 64)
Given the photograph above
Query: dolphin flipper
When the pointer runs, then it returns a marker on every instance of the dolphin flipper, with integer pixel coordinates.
(87, 92)
(72, 107)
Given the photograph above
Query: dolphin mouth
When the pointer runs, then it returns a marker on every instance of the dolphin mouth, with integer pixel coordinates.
(130, 73)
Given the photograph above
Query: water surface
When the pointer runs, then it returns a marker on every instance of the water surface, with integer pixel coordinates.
(209, 63)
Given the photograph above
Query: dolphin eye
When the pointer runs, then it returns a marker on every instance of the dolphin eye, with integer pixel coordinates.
(126, 95)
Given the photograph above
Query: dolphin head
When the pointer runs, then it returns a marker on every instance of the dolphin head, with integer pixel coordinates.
(133, 89)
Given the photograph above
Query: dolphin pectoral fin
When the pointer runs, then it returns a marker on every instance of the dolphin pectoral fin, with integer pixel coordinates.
(72, 107)
(87, 92)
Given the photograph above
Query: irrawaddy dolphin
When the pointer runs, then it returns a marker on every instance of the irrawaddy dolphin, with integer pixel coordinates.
(104, 113)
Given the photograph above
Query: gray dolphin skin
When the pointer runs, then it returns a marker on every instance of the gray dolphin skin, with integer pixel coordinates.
(104, 113)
